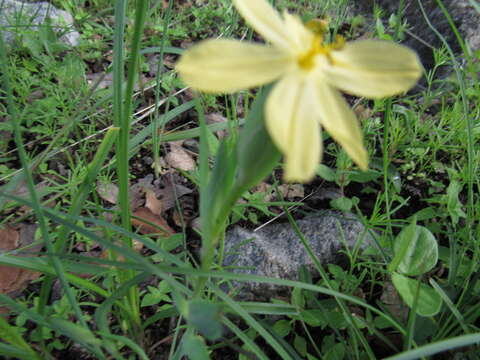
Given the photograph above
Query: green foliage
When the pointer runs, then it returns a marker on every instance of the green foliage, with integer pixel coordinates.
(205, 317)
(417, 295)
(416, 251)
(418, 197)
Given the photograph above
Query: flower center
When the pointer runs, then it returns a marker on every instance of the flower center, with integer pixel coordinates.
(318, 47)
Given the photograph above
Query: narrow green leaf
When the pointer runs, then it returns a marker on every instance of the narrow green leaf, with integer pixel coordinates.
(75, 332)
(336, 352)
(11, 335)
(14, 352)
(476, 5)
(438, 347)
(221, 182)
(257, 156)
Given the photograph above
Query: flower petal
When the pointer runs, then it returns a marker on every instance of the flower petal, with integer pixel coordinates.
(229, 65)
(373, 68)
(294, 128)
(300, 38)
(340, 121)
(261, 16)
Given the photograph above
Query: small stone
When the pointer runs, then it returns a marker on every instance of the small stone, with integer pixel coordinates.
(13, 13)
(276, 251)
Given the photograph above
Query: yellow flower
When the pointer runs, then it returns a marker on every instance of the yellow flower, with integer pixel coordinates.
(307, 72)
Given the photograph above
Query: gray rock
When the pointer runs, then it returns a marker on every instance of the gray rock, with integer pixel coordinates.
(276, 251)
(421, 37)
(17, 13)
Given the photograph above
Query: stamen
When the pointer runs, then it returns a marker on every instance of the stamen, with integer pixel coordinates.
(317, 26)
(318, 48)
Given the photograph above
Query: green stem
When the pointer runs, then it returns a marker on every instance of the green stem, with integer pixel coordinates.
(122, 118)
(386, 132)
(160, 68)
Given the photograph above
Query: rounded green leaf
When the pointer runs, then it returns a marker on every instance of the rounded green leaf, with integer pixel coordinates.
(416, 250)
(194, 347)
(428, 303)
(282, 327)
(205, 317)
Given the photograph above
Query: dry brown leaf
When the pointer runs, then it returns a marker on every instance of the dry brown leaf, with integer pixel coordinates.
(152, 203)
(292, 191)
(216, 118)
(107, 191)
(178, 158)
(9, 238)
(263, 187)
(12, 279)
(161, 227)
(170, 193)
(393, 302)
(363, 113)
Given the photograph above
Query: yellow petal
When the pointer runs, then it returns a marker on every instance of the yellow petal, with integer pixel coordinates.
(222, 66)
(265, 20)
(340, 121)
(294, 127)
(300, 38)
(373, 68)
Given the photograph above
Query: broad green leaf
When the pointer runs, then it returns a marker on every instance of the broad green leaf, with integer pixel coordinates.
(205, 316)
(364, 176)
(425, 214)
(297, 298)
(428, 303)
(282, 327)
(342, 203)
(314, 318)
(300, 345)
(416, 250)
(325, 172)
(336, 352)
(194, 347)
(454, 206)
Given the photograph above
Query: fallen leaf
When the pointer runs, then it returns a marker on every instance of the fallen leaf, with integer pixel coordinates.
(107, 191)
(170, 193)
(12, 279)
(178, 158)
(292, 191)
(158, 224)
(9, 238)
(393, 302)
(216, 118)
(152, 203)
(363, 113)
(265, 188)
